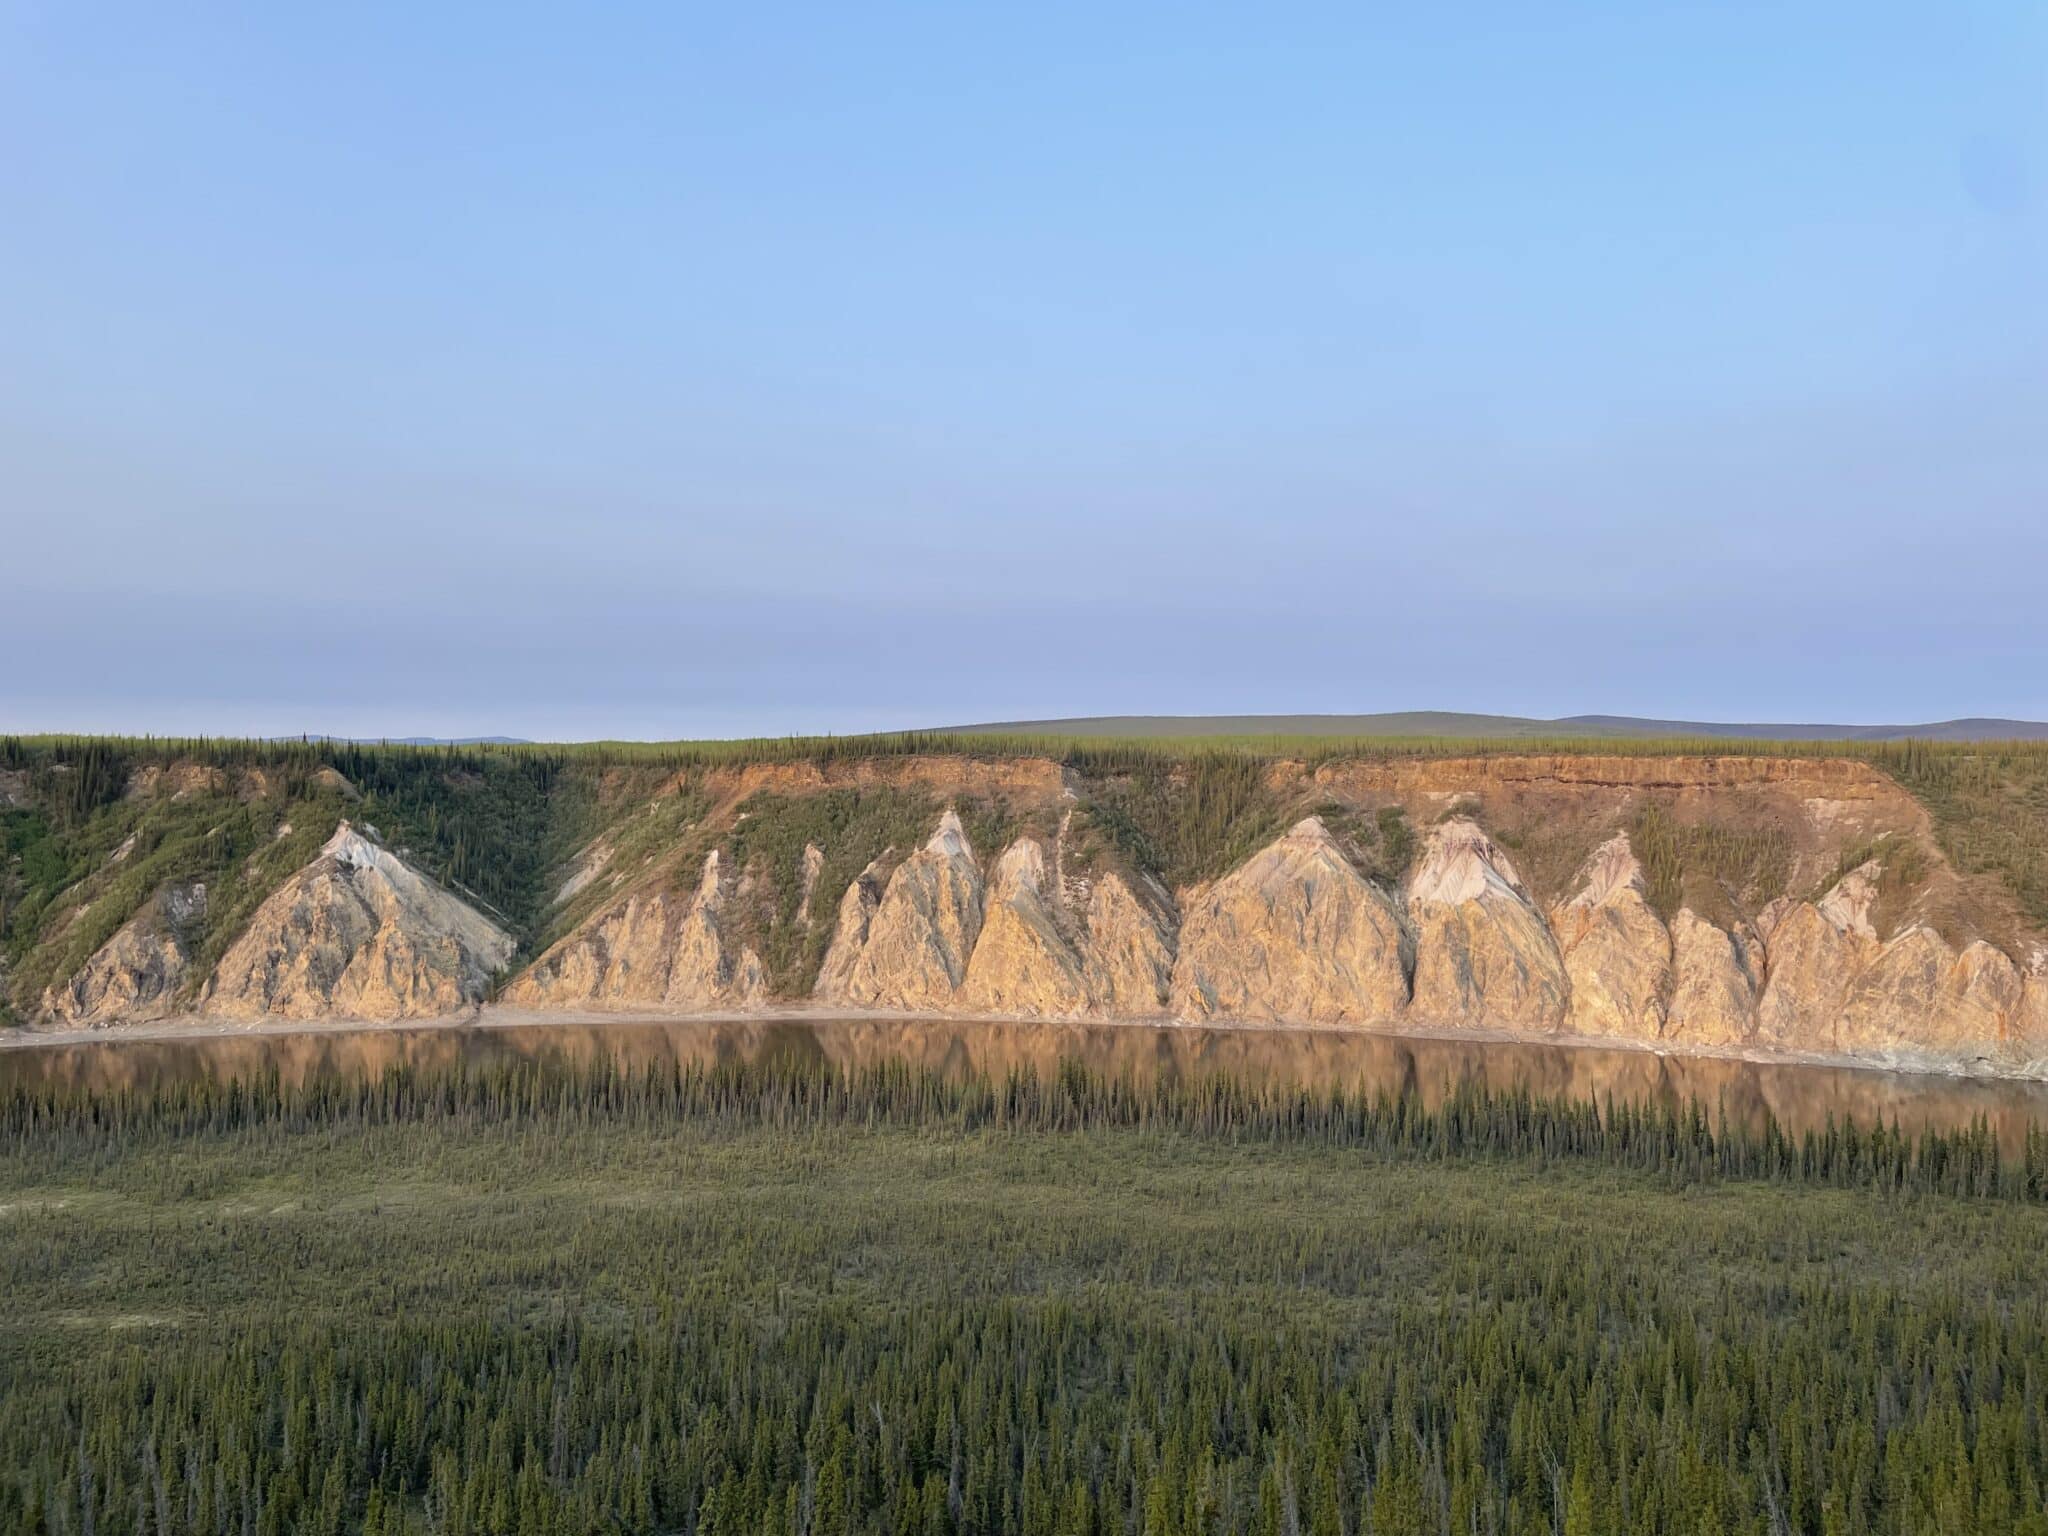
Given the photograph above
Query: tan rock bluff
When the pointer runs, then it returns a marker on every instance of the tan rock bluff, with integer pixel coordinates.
(1296, 932)
(360, 934)
(1483, 954)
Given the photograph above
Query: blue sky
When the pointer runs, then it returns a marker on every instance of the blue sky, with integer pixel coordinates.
(668, 370)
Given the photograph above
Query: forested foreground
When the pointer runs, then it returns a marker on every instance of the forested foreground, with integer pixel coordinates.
(772, 1299)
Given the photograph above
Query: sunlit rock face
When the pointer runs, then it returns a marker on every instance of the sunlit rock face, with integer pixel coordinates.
(1944, 969)
(922, 931)
(1850, 901)
(655, 949)
(850, 933)
(2027, 1038)
(1716, 976)
(1483, 954)
(618, 960)
(706, 970)
(1814, 950)
(1127, 957)
(1617, 951)
(1835, 987)
(1299, 933)
(138, 974)
(358, 933)
(1022, 962)
(1918, 996)
(813, 866)
(1019, 944)
(1296, 932)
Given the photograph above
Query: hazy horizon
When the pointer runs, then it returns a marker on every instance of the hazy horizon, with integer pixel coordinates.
(1392, 724)
(661, 374)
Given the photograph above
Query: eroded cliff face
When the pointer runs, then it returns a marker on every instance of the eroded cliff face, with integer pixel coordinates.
(1296, 933)
(1716, 976)
(1617, 951)
(1127, 958)
(857, 910)
(2028, 1041)
(1022, 962)
(1813, 950)
(921, 934)
(1024, 943)
(1483, 954)
(140, 973)
(813, 867)
(357, 934)
(652, 950)
(1920, 996)
(707, 970)
(618, 960)
(1333, 922)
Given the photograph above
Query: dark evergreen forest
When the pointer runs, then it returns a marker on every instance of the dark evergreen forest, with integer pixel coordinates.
(776, 1299)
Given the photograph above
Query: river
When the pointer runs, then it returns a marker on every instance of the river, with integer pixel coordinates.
(1800, 1096)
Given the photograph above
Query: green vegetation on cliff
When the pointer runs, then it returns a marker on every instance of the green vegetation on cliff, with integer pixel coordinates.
(90, 829)
(1182, 818)
(857, 826)
(1990, 810)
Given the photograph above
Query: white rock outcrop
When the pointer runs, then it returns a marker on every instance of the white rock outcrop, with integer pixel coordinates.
(1717, 975)
(140, 972)
(918, 939)
(1022, 963)
(1127, 956)
(1814, 950)
(1296, 932)
(654, 949)
(358, 933)
(1484, 957)
(1617, 951)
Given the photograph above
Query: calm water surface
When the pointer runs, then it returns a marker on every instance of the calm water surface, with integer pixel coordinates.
(1799, 1096)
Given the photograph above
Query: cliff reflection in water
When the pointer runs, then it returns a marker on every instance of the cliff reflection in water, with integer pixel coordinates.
(1801, 1097)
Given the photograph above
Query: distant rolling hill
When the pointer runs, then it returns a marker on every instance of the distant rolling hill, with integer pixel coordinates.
(1435, 722)
(418, 741)
(456, 741)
